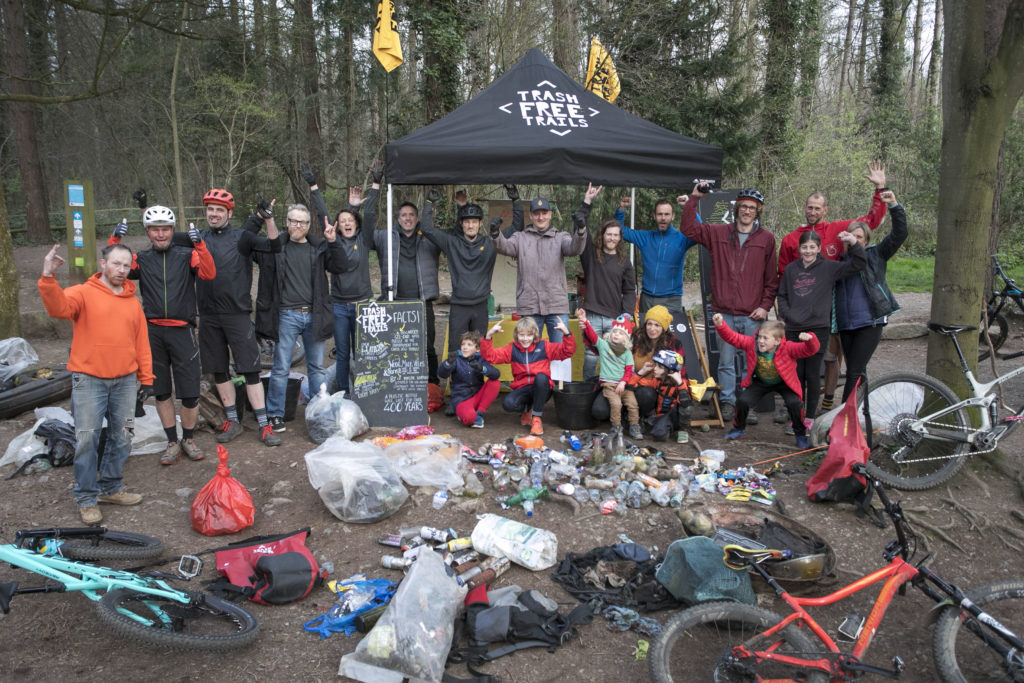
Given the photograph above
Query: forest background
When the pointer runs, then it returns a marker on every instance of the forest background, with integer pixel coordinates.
(180, 96)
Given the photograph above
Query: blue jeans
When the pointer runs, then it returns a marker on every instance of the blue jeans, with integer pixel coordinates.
(92, 399)
(344, 340)
(551, 320)
(290, 325)
(601, 325)
(732, 363)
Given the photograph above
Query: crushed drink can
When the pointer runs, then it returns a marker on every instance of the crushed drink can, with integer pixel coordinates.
(390, 562)
(393, 540)
(459, 544)
(430, 533)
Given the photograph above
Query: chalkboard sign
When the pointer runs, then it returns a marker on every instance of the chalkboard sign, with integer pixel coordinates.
(684, 335)
(390, 363)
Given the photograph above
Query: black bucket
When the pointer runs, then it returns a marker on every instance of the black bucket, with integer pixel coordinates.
(572, 405)
(291, 394)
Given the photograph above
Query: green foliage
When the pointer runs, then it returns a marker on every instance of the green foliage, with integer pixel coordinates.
(906, 274)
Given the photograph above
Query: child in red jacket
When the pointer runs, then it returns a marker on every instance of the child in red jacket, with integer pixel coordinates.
(530, 358)
(771, 366)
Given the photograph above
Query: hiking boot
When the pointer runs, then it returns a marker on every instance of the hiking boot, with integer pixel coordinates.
(536, 427)
(526, 419)
(91, 514)
(478, 423)
(802, 443)
(268, 438)
(728, 412)
(752, 418)
(278, 424)
(781, 416)
(635, 432)
(229, 431)
(170, 455)
(735, 433)
(192, 449)
(122, 497)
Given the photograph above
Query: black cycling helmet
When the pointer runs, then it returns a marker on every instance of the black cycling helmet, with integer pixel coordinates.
(471, 211)
(751, 193)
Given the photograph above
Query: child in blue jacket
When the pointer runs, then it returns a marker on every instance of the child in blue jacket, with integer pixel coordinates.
(474, 384)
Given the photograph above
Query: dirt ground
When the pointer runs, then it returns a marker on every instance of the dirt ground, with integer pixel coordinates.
(55, 636)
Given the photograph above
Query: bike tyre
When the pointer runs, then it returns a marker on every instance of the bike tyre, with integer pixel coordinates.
(998, 331)
(113, 545)
(245, 627)
(948, 627)
(885, 404)
(734, 618)
(298, 354)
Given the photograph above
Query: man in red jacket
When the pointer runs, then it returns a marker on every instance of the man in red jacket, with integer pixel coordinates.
(815, 210)
(109, 356)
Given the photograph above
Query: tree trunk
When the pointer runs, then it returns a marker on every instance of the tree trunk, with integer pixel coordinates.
(915, 59)
(25, 124)
(306, 44)
(851, 18)
(931, 87)
(809, 54)
(862, 50)
(565, 46)
(10, 313)
(777, 151)
(179, 191)
(981, 85)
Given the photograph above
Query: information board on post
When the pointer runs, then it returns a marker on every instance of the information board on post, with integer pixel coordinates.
(81, 230)
(390, 363)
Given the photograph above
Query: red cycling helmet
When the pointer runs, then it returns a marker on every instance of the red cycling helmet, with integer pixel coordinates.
(222, 197)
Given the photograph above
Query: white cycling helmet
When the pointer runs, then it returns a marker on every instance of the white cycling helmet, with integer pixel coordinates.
(158, 215)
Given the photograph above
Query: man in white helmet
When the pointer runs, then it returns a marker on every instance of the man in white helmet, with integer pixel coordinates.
(167, 274)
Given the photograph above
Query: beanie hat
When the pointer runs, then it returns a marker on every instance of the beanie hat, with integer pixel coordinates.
(625, 324)
(660, 315)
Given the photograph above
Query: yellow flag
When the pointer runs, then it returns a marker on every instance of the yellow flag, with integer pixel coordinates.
(602, 79)
(386, 46)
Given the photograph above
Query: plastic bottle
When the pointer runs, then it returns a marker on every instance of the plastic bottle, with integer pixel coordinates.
(501, 478)
(633, 492)
(528, 495)
(473, 487)
(648, 480)
(440, 498)
(566, 489)
(527, 546)
(610, 505)
(597, 457)
(573, 441)
(516, 472)
(537, 471)
(594, 483)
(693, 488)
(528, 507)
(621, 491)
(661, 495)
(581, 494)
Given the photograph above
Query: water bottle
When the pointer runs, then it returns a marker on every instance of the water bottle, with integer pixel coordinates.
(661, 495)
(440, 498)
(537, 471)
(574, 441)
(634, 489)
(501, 478)
(528, 507)
(581, 494)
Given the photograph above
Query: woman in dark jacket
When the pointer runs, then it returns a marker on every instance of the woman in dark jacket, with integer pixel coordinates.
(863, 300)
(610, 285)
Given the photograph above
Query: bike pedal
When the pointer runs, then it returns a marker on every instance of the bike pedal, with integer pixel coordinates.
(189, 566)
(851, 626)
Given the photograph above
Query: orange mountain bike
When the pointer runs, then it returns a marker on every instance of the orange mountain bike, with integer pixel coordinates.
(978, 635)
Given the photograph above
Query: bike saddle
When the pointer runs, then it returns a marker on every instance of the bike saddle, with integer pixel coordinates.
(943, 328)
(7, 591)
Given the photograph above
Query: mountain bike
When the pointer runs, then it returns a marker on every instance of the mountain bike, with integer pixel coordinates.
(140, 606)
(738, 642)
(921, 433)
(998, 327)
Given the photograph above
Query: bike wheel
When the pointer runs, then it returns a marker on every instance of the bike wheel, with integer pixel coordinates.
(961, 655)
(903, 459)
(998, 331)
(697, 644)
(112, 545)
(267, 353)
(208, 623)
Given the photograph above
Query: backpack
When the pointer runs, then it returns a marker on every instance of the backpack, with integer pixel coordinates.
(270, 570)
(835, 479)
(60, 440)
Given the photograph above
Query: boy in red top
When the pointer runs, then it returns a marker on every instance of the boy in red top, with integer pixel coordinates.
(109, 354)
(530, 358)
(771, 366)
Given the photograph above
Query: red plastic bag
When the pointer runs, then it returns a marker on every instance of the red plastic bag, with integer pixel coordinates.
(223, 506)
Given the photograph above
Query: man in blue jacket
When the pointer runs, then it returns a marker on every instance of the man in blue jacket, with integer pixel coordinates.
(662, 254)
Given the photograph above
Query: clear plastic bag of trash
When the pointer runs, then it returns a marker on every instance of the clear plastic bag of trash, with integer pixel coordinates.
(16, 355)
(428, 461)
(413, 636)
(27, 445)
(329, 415)
(355, 481)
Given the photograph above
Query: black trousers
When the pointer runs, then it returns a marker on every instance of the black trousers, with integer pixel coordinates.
(808, 370)
(757, 389)
(858, 347)
(462, 318)
(530, 397)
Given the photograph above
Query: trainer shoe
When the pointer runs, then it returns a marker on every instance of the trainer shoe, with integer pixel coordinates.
(735, 433)
(635, 432)
(536, 426)
(478, 423)
(802, 443)
(268, 438)
(90, 514)
(170, 455)
(278, 424)
(752, 418)
(526, 419)
(229, 431)
(728, 411)
(122, 497)
(192, 449)
(789, 430)
(682, 437)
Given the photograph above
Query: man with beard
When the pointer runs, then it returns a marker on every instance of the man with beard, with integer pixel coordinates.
(109, 356)
(167, 279)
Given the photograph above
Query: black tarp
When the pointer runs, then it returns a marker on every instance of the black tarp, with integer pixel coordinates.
(536, 125)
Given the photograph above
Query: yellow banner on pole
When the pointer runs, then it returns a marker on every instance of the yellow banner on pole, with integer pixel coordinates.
(386, 46)
(602, 79)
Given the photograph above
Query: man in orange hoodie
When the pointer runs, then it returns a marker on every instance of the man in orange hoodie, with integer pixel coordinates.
(109, 356)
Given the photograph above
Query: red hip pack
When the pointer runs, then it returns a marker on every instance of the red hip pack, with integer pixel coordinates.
(270, 570)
